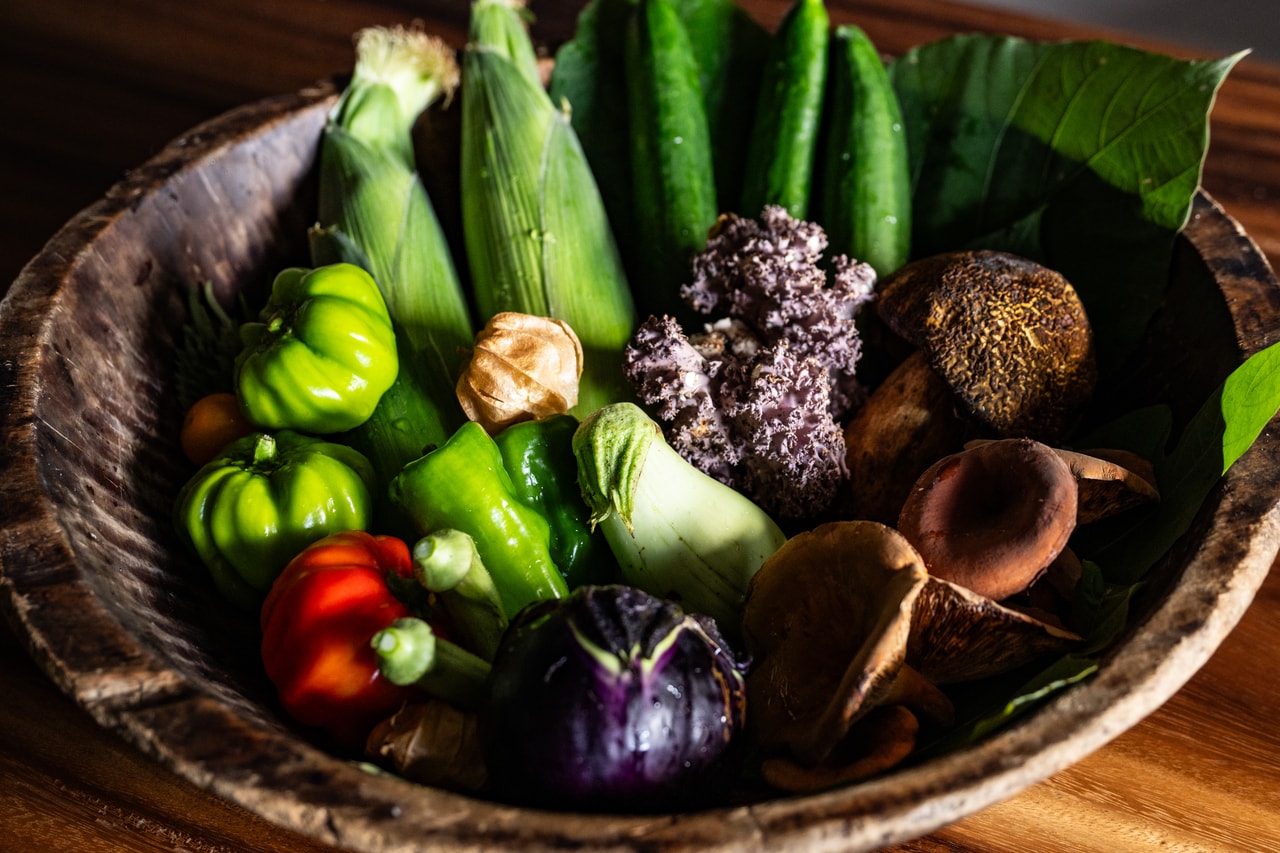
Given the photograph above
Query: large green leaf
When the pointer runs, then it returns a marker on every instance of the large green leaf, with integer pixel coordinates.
(1220, 432)
(1082, 155)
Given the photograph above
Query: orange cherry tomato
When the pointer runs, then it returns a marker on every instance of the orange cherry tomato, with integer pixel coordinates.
(211, 424)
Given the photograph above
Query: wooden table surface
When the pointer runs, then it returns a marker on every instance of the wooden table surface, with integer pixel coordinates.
(91, 88)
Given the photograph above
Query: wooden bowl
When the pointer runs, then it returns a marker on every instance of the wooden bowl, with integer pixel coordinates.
(131, 628)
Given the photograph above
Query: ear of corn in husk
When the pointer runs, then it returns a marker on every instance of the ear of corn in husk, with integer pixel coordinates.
(537, 236)
(374, 211)
(503, 26)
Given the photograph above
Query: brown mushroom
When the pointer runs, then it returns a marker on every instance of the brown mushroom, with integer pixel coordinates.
(1009, 337)
(906, 424)
(880, 741)
(993, 517)
(826, 622)
(958, 635)
(1053, 590)
(1109, 481)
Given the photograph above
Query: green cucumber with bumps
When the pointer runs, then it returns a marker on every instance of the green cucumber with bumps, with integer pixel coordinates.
(673, 183)
(865, 192)
(783, 143)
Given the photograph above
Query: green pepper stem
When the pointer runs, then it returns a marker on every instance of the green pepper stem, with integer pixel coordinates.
(444, 559)
(410, 652)
(264, 448)
(447, 563)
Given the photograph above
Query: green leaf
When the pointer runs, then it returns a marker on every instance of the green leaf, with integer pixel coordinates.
(984, 707)
(1066, 671)
(1084, 156)
(1219, 434)
(210, 344)
(1099, 609)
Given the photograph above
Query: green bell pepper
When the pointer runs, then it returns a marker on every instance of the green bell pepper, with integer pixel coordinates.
(463, 485)
(265, 498)
(539, 457)
(321, 354)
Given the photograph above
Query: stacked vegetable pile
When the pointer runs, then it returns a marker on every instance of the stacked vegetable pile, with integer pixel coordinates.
(732, 445)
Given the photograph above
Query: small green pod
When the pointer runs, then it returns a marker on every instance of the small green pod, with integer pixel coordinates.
(866, 183)
(782, 148)
(265, 498)
(321, 354)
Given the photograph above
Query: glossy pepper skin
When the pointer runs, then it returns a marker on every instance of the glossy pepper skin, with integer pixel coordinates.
(317, 623)
(463, 485)
(539, 457)
(264, 498)
(322, 353)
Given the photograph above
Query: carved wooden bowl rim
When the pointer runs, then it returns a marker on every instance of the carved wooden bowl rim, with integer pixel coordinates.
(131, 689)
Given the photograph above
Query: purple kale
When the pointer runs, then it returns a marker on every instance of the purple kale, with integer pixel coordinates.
(754, 399)
(755, 418)
(768, 276)
(779, 407)
(670, 374)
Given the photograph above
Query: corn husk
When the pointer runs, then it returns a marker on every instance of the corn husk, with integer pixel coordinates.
(374, 211)
(537, 237)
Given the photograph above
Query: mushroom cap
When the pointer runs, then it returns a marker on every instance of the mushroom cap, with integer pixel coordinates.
(1109, 481)
(993, 517)
(958, 635)
(1010, 337)
(826, 622)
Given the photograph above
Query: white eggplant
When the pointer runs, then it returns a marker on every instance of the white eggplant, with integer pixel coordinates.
(676, 532)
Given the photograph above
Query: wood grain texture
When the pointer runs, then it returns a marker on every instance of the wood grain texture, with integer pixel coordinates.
(108, 84)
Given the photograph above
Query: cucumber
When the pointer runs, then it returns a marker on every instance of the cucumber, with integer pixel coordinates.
(730, 47)
(783, 142)
(865, 189)
(673, 182)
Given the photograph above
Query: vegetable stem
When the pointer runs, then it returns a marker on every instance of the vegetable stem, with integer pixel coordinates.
(410, 652)
(447, 563)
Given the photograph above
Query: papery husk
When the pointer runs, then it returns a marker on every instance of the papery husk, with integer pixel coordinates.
(522, 368)
(433, 743)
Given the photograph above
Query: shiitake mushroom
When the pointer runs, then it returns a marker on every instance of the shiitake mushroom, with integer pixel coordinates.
(1004, 349)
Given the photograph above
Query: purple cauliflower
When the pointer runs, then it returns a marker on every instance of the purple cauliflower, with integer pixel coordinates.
(754, 399)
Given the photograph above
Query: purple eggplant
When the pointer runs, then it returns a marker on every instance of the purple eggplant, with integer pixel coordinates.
(613, 699)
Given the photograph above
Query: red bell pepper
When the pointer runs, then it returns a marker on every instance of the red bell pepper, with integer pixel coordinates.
(317, 622)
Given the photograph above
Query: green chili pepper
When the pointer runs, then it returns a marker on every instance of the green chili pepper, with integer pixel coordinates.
(322, 353)
(265, 498)
(539, 457)
(463, 485)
